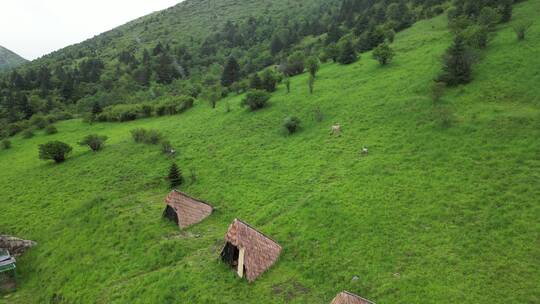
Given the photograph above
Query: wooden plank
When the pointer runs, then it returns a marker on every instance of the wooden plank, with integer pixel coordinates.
(240, 270)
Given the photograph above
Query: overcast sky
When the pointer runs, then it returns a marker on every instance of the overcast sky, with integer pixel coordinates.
(32, 28)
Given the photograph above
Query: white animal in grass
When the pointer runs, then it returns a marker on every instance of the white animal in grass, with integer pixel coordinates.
(336, 129)
(364, 151)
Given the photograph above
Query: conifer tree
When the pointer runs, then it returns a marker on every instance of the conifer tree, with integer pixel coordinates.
(175, 176)
(256, 82)
(231, 73)
(96, 108)
(347, 53)
(276, 45)
(165, 70)
(457, 67)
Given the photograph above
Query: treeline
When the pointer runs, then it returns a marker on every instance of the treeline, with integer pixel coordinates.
(472, 24)
(225, 61)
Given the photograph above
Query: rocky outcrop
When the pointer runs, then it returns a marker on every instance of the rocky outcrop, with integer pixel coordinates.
(15, 246)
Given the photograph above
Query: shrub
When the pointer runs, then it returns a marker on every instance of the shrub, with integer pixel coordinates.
(390, 35)
(269, 80)
(28, 133)
(383, 53)
(175, 176)
(459, 23)
(51, 119)
(39, 121)
(437, 10)
(256, 99)
(213, 94)
(255, 82)
(127, 114)
(167, 148)
(313, 64)
(54, 150)
(16, 127)
(288, 84)
(506, 11)
(331, 52)
(50, 129)
(291, 124)
(6, 144)
(347, 53)
(62, 115)
(94, 142)
(146, 110)
(166, 108)
(151, 137)
(295, 64)
(476, 36)
(489, 17)
(186, 104)
(521, 29)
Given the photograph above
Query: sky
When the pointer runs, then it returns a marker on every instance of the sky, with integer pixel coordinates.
(33, 28)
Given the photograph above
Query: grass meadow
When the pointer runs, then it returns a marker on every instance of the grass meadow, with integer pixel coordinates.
(434, 213)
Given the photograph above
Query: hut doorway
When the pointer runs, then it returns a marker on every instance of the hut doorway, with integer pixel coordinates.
(234, 257)
(170, 214)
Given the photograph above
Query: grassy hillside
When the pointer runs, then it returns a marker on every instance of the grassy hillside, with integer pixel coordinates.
(8, 59)
(190, 19)
(432, 215)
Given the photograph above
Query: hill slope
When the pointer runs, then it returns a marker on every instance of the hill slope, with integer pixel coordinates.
(8, 59)
(432, 215)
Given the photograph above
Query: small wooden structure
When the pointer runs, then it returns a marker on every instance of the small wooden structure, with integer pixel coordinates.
(346, 297)
(7, 271)
(185, 210)
(249, 251)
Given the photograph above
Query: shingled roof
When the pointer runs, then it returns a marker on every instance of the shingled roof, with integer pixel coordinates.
(188, 209)
(346, 297)
(261, 252)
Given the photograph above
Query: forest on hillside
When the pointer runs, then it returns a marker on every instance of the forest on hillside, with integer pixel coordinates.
(89, 79)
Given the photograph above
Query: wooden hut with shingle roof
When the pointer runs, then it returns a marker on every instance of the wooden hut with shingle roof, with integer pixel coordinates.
(249, 251)
(346, 297)
(185, 210)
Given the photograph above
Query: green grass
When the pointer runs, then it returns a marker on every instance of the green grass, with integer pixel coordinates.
(432, 215)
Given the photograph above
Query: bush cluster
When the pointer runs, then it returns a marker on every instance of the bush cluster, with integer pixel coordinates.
(54, 150)
(291, 124)
(5, 144)
(256, 99)
(129, 112)
(151, 137)
(50, 129)
(38, 121)
(94, 142)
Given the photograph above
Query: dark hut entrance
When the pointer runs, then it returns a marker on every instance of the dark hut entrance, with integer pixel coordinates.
(170, 214)
(230, 254)
(234, 257)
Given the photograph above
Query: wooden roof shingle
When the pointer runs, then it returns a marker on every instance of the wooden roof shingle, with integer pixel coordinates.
(261, 252)
(189, 210)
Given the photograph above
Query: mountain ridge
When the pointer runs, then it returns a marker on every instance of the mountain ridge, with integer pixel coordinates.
(10, 59)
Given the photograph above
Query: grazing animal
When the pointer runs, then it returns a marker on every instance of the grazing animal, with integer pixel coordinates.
(336, 130)
(364, 151)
